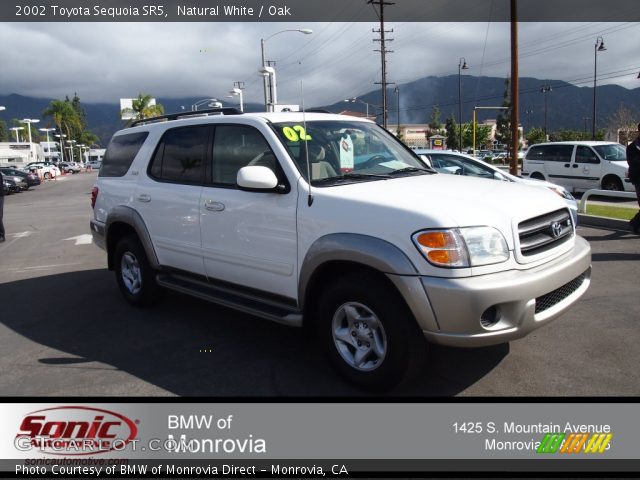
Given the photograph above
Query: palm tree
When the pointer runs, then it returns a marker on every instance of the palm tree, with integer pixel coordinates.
(141, 108)
(64, 116)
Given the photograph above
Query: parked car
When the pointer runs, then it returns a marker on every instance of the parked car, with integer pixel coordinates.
(330, 221)
(19, 181)
(32, 180)
(70, 167)
(460, 164)
(44, 171)
(579, 166)
(10, 185)
(95, 164)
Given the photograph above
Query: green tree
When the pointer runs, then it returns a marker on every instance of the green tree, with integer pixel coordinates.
(64, 117)
(434, 119)
(503, 120)
(483, 135)
(566, 135)
(451, 128)
(4, 131)
(536, 135)
(141, 108)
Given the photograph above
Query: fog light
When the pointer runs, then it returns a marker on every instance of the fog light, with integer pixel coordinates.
(490, 317)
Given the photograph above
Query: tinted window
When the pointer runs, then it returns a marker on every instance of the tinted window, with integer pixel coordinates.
(181, 155)
(550, 153)
(586, 155)
(120, 154)
(236, 146)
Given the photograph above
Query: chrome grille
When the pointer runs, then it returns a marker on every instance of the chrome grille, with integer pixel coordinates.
(547, 231)
(552, 298)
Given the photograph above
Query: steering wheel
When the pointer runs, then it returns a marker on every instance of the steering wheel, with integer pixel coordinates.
(259, 158)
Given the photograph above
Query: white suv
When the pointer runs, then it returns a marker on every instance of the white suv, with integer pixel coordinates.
(330, 221)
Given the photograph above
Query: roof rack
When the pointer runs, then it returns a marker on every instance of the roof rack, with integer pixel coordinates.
(195, 113)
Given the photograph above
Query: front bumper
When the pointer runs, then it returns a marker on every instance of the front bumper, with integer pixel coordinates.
(523, 300)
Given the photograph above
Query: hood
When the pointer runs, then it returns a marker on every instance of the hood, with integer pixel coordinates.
(444, 201)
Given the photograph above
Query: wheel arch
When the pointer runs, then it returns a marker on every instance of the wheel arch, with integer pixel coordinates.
(124, 221)
(612, 176)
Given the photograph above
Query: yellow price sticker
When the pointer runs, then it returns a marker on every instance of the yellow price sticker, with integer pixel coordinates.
(295, 133)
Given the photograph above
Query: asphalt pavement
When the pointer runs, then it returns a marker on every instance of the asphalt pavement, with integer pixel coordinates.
(66, 331)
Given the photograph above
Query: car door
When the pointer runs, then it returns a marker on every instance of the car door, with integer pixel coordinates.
(588, 168)
(168, 196)
(558, 166)
(248, 238)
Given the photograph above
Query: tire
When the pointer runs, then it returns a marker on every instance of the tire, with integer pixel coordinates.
(612, 183)
(537, 176)
(47, 175)
(135, 277)
(368, 332)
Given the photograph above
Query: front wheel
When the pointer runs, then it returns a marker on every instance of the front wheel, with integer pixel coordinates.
(368, 332)
(135, 277)
(612, 183)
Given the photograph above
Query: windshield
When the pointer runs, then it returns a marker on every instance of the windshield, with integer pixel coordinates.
(614, 151)
(347, 151)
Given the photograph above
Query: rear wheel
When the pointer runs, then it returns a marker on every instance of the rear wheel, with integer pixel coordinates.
(612, 183)
(135, 277)
(47, 175)
(368, 332)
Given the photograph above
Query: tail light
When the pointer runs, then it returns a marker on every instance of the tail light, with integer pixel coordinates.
(94, 196)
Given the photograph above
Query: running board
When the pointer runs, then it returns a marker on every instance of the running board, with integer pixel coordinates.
(251, 304)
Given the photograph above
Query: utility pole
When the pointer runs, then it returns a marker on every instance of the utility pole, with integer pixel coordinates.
(383, 51)
(515, 141)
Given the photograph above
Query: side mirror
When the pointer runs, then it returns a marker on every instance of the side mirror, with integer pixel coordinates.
(257, 178)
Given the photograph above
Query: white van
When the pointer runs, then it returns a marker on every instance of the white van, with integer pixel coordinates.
(579, 166)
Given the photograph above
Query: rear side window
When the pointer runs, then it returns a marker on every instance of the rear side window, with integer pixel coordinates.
(120, 153)
(181, 155)
(550, 153)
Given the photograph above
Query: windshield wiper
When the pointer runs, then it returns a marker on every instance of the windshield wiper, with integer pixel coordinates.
(350, 176)
(412, 169)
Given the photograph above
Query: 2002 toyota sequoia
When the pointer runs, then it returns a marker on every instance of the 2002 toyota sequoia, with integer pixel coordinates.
(330, 221)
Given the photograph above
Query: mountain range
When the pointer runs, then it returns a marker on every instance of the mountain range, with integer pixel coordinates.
(568, 106)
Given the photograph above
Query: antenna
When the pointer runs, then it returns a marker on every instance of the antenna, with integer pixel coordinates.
(306, 146)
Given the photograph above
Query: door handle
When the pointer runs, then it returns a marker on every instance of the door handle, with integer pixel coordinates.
(566, 165)
(143, 197)
(214, 206)
(575, 166)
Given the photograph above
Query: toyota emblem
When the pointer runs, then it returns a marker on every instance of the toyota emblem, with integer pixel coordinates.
(556, 229)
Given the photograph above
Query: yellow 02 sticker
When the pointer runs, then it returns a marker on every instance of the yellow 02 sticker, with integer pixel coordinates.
(295, 133)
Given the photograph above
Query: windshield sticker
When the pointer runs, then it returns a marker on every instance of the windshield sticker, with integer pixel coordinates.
(295, 133)
(346, 153)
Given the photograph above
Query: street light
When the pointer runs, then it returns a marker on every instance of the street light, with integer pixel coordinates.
(29, 121)
(81, 149)
(545, 89)
(270, 99)
(47, 130)
(213, 103)
(357, 100)
(16, 130)
(238, 92)
(528, 112)
(61, 136)
(71, 142)
(462, 65)
(597, 48)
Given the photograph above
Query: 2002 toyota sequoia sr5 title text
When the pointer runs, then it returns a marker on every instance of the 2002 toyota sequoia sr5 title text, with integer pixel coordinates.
(376, 251)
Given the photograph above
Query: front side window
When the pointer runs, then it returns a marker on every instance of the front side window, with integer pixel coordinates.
(181, 155)
(331, 151)
(615, 152)
(237, 146)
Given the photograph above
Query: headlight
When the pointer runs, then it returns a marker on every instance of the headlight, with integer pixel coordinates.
(462, 247)
(563, 192)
